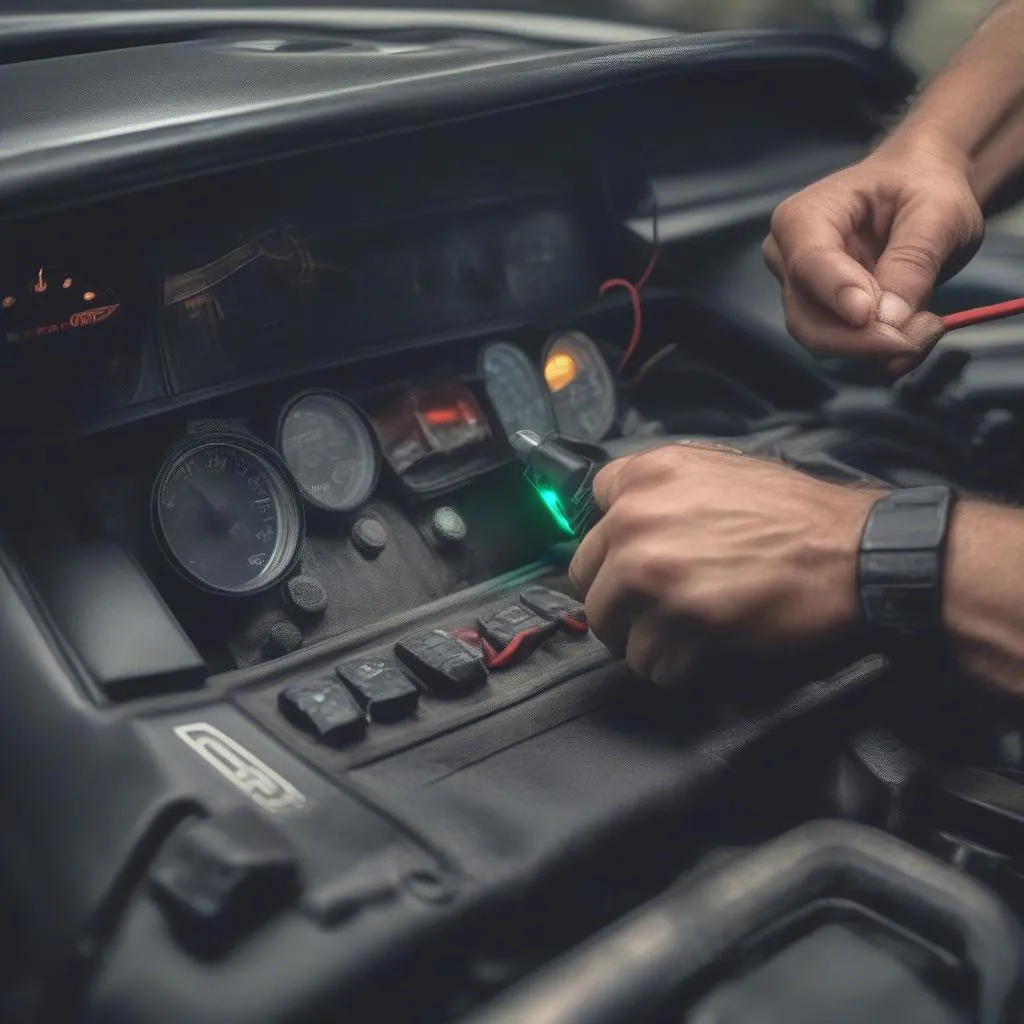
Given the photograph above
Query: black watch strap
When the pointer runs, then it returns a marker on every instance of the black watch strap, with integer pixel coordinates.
(902, 556)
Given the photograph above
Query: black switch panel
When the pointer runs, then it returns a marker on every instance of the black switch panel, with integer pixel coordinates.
(441, 662)
(380, 688)
(325, 710)
(551, 604)
(516, 623)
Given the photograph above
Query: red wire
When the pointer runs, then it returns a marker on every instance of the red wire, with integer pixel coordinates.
(634, 298)
(982, 314)
(638, 317)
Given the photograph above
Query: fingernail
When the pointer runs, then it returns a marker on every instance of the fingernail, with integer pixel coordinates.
(854, 306)
(893, 310)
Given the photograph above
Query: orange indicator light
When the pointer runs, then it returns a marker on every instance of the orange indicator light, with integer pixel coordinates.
(40, 285)
(559, 370)
(88, 296)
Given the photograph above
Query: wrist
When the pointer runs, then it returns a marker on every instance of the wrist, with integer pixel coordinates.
(929, 143)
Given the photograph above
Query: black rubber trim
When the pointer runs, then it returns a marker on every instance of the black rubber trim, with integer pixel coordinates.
(670, 941)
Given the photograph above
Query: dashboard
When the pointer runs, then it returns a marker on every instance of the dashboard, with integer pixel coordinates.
(301, 709)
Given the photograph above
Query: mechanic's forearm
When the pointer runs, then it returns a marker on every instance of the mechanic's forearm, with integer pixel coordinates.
(983, 603)
(973, 113)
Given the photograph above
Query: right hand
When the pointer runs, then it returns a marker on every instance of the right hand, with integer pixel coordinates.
(858, 253)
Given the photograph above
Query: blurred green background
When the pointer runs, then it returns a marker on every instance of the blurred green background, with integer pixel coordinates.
(928, 32)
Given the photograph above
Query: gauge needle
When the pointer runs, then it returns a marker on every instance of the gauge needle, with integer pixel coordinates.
(218, 515)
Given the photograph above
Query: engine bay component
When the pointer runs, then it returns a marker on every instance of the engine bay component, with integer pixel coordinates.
(226, 514)
(380, 687)
(582, 387)
(444, 665)
(330, 450)
(562, 479)
(516, 389)
(324, 710)
(550, 604)
(53, 300)
(430, 424)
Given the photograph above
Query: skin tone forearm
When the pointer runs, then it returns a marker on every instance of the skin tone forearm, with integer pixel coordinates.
(983, 593)
(704, 550)
(973, 113)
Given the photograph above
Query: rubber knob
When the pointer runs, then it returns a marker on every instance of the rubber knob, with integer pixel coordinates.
(283, 638)
(448, 526)
(369, 536)
(307, 595)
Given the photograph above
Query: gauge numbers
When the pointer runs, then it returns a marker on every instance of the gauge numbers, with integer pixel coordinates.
(330, 450)
(581, 385)
(226, 515)
(516, 389)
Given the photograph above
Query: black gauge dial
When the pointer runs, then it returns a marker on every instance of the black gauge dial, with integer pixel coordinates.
(582, 386)
(330, 450)
(227, 516)
(516, 389)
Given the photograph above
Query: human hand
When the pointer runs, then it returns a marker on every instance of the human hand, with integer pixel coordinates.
(858, 253)
(703, 548)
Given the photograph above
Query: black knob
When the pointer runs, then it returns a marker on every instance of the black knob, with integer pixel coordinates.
(369, 536)
(283, 638)
(307, 595)
(448, 526)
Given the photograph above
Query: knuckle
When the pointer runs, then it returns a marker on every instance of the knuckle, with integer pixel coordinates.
(915, 256)
(639, 569)
(783, 217)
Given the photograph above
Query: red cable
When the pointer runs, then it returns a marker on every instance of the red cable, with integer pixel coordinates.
(982, 314)
(634, 298)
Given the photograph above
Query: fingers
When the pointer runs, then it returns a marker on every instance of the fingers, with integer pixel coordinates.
(807, 248)
(611, 608)
(658, 650)
(906, 335)
(589, 558)
(923, 237)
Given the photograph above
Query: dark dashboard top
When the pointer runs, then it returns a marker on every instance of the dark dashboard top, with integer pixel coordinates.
(117, 101)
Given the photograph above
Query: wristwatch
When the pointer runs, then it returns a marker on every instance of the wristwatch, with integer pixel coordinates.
(900, 566)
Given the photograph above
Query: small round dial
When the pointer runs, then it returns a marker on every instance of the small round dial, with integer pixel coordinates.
(226, 515)
(582, 386)
(516, 389)
(330, 450)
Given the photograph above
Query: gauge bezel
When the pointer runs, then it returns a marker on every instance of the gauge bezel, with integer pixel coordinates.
(367, 425)
(287, 497)
(522, 354)
(581, 338)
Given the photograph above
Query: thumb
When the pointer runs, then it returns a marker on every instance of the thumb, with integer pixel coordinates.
(923, 237)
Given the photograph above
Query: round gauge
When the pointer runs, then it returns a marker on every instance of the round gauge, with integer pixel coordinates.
(516, 389)
(581, 385)
(330, 450)
(227, 515)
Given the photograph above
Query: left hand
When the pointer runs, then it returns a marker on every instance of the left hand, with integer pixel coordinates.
(703, 547)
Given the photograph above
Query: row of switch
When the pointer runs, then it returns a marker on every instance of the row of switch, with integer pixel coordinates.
(336, 711)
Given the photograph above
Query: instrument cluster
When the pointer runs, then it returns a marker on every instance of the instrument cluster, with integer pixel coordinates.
(229, 509)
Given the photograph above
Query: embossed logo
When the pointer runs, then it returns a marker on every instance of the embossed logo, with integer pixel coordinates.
(243, 769)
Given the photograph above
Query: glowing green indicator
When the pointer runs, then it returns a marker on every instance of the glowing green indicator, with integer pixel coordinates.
(550, 498)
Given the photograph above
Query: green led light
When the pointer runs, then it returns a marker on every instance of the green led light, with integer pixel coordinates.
(550, 498)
